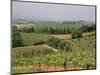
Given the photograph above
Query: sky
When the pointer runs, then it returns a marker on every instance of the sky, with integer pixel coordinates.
(52, 12)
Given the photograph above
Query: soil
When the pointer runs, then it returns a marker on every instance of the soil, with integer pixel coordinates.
(43, 68)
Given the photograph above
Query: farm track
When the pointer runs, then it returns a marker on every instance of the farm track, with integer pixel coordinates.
(37, 46)
(55, 50)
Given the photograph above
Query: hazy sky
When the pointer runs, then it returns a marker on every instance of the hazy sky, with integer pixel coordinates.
(54, 12)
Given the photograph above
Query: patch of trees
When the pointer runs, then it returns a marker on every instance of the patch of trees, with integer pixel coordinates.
(16, 38)
(59, 44)
(88, 28)
(76, 33)
(54, 42)
(59, 29)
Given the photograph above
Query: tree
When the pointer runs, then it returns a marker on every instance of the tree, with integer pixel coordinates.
(16, 38)
(54, 42)
(76, 33)
(88, 28)
(85, 28)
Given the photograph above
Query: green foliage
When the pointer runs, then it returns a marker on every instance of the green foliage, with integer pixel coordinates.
(82, 54)
(57, 43)
(75, 58)
(16, 38)
(58, 28)
(65, 45)
(77, 33)
(39, 42)
(86, 43)
(88, 28)
(73, 52)
(54, 42)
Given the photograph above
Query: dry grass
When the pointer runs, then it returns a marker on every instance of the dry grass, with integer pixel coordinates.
(88, 33)
(63, 36)
(21, 26)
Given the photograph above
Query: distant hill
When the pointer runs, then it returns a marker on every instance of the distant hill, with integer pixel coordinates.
(32, 19)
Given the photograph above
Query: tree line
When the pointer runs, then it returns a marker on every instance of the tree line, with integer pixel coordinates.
(56, 29)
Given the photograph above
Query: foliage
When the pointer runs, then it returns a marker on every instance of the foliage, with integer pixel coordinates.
(78, 52)
(32, 38)
(65, 45)
(75, 58)
(16, 38)
(77, 33)
(39, 42)
(54, 42)
(58, 28)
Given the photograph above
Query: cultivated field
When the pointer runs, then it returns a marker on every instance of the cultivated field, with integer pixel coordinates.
(43, 47)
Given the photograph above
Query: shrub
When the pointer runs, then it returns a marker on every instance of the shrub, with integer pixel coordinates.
(77, 33)
(16, 39)
(85, 28)
(65, 45)
(88, 28)
(54, 42)
(39, 42)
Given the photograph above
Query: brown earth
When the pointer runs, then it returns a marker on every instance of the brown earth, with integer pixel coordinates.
(42, 68)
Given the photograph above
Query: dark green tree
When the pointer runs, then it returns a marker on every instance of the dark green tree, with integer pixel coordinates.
(76, 33)
(54, 42)
(16, 38)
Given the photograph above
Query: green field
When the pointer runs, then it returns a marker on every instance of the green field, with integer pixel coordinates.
(31, 38)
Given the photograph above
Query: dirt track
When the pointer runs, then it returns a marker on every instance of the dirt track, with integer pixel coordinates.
(37, 46)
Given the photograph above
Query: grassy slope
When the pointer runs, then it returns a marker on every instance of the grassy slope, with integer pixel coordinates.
(31, 38)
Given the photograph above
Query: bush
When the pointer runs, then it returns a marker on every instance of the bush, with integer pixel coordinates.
(88, 28)
(57, 43)
(39, 42)
(77, 33)
(16, 38)
(65, 45)
(54, 42)
(85, 28)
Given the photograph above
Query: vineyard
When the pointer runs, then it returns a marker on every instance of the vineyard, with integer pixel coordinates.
(80, 59)
(43, 51)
